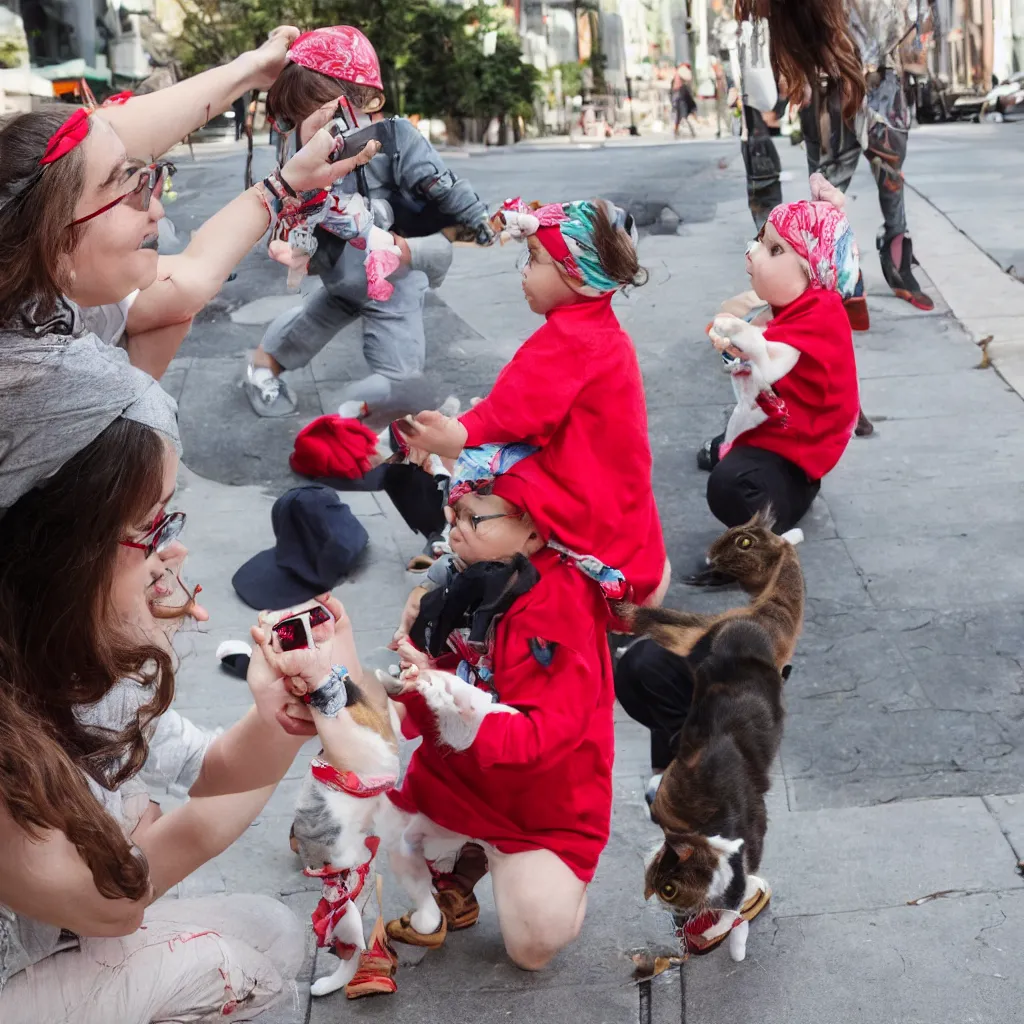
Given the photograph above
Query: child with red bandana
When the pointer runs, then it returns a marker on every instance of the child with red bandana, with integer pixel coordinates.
(796, 376)
(574, 391)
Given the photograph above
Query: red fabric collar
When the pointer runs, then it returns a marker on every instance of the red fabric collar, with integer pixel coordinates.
(349, 782)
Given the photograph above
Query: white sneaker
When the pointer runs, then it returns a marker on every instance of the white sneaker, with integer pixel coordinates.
(353, 410)
(268, 395)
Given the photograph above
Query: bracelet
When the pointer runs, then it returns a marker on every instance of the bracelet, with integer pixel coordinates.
(332, 694)
(272, 206)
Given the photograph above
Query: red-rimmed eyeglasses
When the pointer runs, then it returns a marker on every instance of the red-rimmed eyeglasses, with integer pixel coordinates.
(160, 535)
(139, 197)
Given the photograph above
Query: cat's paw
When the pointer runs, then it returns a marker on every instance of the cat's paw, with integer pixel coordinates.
(458, 706)
(738, 941)
(328, 984)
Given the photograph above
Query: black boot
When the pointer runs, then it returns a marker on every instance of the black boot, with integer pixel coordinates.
(707, 453)
(901, 279)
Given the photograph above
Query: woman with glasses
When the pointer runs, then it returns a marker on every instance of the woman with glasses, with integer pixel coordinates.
(79, 208)
(90, 592)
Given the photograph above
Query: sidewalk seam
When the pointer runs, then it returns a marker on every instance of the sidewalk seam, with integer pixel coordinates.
(1005, 834)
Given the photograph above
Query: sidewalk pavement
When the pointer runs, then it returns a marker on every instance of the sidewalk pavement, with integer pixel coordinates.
(893, 865)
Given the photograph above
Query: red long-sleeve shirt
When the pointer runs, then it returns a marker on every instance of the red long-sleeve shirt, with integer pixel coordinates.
(821, 394)
(574, 389)
(541, 779)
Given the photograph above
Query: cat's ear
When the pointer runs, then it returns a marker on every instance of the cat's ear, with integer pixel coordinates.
(682, 847)
(765, 518)
(726, 846)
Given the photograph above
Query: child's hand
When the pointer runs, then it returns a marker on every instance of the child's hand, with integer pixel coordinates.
(723, 332)
(434, 432)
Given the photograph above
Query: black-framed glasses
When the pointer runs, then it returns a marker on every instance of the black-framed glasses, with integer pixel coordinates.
(475, 521)
(141, 195)
(164, 531)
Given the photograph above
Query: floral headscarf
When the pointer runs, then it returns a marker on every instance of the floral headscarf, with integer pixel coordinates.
(822, 237)
(566, 230)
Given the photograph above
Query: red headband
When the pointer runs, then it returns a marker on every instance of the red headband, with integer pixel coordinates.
(73, 131)
(552, 240)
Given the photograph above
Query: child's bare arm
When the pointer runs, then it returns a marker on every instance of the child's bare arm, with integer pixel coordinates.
(744, 304)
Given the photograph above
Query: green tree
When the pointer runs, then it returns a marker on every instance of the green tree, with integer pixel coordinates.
(431, 54)
(449, 74)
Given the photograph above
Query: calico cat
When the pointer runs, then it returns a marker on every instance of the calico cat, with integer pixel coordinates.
(768, 569)
(710, 804)
(333, 834)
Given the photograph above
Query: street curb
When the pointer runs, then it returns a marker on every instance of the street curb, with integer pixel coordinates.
(981, 295)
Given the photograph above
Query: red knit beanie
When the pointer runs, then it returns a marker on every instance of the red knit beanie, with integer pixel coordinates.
(334, 447)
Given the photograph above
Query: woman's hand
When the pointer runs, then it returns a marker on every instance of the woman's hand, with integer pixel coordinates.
(311, 168)
(268, 61)
(274, 702)
(307, 669)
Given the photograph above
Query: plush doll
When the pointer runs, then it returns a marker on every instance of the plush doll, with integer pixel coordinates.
(350, 218)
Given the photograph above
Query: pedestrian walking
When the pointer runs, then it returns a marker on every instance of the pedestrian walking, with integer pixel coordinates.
(842, 63)
(684, 106)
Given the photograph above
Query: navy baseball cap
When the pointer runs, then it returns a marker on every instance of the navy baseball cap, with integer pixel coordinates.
(318, 542)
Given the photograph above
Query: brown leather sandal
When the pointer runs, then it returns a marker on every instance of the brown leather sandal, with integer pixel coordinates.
(401, 930)
(377, 966)
(695, 931)
(460, 909)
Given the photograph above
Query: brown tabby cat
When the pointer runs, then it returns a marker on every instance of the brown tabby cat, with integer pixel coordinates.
(710, 804)
(768, 569)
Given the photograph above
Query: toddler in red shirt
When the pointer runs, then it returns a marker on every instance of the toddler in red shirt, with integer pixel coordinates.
(573, 390)
(795, 378)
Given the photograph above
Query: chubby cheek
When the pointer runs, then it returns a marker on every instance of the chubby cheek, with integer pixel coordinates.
(131, 580)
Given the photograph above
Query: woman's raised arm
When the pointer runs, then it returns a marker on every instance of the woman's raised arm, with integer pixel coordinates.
(149, 125)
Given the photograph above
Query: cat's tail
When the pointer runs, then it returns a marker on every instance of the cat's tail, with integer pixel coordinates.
(663, 625)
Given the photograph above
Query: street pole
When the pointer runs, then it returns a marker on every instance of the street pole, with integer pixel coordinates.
(633, 130)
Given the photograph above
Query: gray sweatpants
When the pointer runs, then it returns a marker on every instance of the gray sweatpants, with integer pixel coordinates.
(394, 344)
(216, 958)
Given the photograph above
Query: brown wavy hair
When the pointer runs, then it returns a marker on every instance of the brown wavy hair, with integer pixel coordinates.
(37, 205)
(60, 647)
(811, 39)
(298, 92)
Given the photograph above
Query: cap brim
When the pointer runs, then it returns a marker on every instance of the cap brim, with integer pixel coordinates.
(262, 584)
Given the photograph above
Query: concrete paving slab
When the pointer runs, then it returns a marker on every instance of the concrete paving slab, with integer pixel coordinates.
(934, 509)
(915, 571)
(839, 861)
(950, 961)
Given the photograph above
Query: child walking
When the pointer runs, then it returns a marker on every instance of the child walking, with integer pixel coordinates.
(331, 73)
(574, 391)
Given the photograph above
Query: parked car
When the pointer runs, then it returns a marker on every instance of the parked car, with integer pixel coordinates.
(1006, 99)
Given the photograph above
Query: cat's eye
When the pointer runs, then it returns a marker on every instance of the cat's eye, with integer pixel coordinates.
(744, 543)
(669, 891)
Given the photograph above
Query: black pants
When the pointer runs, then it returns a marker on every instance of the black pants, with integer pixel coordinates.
(749, 479)
(655, 687)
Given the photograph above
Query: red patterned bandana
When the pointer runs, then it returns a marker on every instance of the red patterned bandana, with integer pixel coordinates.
(340, 52)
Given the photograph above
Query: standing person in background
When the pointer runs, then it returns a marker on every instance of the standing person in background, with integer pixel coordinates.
(683, 103)
(721, 97)
(841, 63)
(240, 107)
